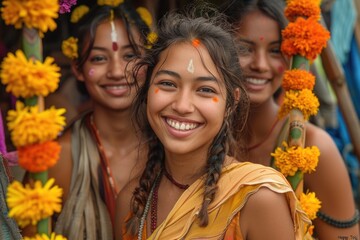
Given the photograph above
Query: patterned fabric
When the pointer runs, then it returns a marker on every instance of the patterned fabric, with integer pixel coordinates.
(8, 227)
(85, 215)
(237, 182)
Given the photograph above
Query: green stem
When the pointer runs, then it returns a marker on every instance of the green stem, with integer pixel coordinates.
(32, 47)
(300, 62)
(43, 225)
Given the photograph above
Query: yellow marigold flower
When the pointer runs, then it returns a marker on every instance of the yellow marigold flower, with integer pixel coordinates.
(303, 100)
(39, 157)
(291, 159)
(145, 16)
(78, 13)
(53, 236)
(69, 48)
(29, 78)
(28, 126)
(302, 8)
(306, 37)
(112, 3)
(151, 39)
(298, 79)
(310, 204)
(29, 204)
(32, 13)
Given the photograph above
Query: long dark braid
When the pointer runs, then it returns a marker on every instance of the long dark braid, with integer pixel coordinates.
(141, 194)
(216, 157)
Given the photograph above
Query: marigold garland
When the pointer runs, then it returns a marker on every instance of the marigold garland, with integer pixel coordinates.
(297, 79)
(69, 48)
(303, 100)
(291, 159)
(78, 13)
(310, 204)
(39, 157)
(113, 3)
(28, 78)
(302, 8)
(29, 204)
(28, 126)
(53, 236)
(305, 37)
(31, 13)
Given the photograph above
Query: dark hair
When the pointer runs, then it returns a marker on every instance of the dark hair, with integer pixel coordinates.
(211, 29)
(85, 29)
(235, 10)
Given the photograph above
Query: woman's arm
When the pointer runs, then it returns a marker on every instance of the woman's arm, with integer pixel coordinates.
(266, 215)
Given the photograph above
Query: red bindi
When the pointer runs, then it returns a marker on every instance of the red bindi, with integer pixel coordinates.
(261, 38)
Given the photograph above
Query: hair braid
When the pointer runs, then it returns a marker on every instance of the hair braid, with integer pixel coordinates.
(141, 193)
(215, 161)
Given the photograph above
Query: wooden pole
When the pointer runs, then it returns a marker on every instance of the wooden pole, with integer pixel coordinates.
(335, 74)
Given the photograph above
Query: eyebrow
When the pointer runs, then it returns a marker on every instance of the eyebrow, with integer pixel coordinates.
(105, 49)
(176, 75)
(252, 43)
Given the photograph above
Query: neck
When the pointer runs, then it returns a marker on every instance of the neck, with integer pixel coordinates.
(185, 169)
(257, 125)
(115, 126)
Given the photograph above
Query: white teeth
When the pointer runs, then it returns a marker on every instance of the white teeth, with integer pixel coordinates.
(181, 125)
(116, 87)
(256, 81)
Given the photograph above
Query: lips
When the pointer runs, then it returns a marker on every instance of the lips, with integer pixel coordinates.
(116, 89)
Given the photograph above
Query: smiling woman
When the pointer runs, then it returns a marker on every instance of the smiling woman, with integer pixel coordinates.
(191, 188)
(100, 151)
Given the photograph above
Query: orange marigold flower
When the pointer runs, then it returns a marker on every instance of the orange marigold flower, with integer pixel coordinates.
(306, 37)
(302, 8)
(303, 100)
(39, 157)
(298, 79)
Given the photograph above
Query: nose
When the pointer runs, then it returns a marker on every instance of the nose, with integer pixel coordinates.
(183, 103)
(260, 62)
(116, 69)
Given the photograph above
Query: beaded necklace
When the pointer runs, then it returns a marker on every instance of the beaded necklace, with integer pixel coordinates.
(103, 157)
(155, 197)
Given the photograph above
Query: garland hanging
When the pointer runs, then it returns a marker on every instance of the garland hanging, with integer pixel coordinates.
(303, 39)
(33, 129)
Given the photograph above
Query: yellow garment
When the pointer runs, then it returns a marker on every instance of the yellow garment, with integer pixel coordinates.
(237, 182)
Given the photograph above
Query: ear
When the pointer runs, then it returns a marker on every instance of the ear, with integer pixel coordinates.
(77, 72)
(237, 95)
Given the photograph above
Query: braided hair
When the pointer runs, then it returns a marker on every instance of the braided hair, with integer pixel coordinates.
(211, 29)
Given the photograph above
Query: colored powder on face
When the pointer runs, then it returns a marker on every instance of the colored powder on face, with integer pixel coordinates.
(114, 46)
(156, 90)
(281, 69)
(215, 99)
(191, 67)
(91, 72)
(196, 42)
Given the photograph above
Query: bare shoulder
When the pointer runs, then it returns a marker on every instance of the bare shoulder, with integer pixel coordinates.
(266, 215)
(63, 168)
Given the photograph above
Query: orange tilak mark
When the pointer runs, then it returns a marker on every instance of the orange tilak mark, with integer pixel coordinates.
(157, 90)
(215, 99)
(195, 42)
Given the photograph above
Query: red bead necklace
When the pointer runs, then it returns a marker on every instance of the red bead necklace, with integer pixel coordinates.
(155, 197)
